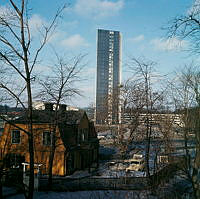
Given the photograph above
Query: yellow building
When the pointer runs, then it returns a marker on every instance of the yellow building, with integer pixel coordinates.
(76, 141)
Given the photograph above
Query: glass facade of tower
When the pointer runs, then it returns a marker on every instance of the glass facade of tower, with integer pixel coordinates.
(108, 76)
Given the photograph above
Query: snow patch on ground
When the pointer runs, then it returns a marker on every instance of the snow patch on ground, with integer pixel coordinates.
(88, 195)
(79, 174)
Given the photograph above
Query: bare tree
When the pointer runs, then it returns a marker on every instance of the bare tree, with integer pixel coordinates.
(145, 96)
(187, 27)
(187, 99)
(133, 103)
(143, 75)
(59, 87)
(19, 58)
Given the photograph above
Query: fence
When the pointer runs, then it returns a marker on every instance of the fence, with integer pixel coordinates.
(117, 183)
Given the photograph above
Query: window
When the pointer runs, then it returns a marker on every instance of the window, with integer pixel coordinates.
(85, 135)
(15, 137)
(82, 135)
(47, 138)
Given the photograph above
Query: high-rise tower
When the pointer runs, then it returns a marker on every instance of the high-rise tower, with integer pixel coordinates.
(108, 77)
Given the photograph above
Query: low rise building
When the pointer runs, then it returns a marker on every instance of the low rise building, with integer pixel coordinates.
(76, 140)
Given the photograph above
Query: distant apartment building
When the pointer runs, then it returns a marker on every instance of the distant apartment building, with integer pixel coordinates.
(108, 77)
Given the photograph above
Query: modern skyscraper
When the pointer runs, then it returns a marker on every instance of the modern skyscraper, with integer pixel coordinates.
(108, 77)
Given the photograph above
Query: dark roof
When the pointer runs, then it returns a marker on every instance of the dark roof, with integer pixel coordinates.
(67, 123)
(43, 116)
(73, 117)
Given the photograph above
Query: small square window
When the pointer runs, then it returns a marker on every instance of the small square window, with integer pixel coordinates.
(47, 139)
(15, 137)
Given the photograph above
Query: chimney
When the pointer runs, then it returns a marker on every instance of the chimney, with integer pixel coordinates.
(48, 106)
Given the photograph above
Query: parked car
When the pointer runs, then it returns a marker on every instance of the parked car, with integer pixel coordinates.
(137, 163)
(118, 166)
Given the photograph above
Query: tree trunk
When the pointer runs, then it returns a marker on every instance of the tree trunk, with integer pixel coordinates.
(196, 168)
(50, 169)
(53, 144)
(147, 150)
(30, 137)
(31, 175)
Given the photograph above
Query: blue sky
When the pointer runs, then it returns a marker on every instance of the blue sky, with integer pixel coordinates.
(139, 21)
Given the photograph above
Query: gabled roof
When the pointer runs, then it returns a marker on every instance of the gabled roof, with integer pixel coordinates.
(44, 116)
(68, 122)
(72, 117)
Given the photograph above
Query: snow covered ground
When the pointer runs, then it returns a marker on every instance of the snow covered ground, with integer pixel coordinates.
(168, 190)
(89, 195)
(109, 172)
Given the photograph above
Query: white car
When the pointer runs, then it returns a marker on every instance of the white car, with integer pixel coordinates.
(137, 163)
